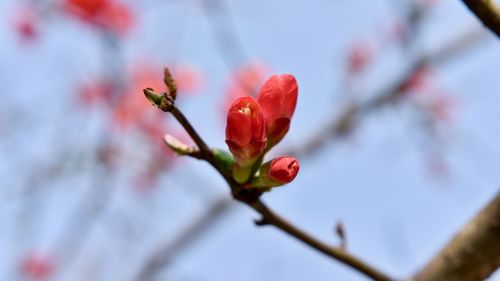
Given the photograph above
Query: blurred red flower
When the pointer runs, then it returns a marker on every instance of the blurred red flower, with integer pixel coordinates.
(26, 23)
(443, 107)
(419, 81)
(360, 54)
(132, 107)
(117, 17)
(126, 102)
(188, 78)
(37, 266)
(245, 81)
(85, 9)
(96, 92)
(108, 14)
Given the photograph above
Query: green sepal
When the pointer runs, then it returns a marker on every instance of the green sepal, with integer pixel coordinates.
(241, 174)
(244, 174)
(224, 160)
(262, 181)
(257, 164)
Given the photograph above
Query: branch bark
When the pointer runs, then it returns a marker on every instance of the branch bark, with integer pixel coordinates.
(487, 12)
(338, 253)
(474, 252)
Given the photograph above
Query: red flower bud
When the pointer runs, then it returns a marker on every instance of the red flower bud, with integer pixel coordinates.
(245, 131)
(278, 98)
(276, 172)
(283, 169)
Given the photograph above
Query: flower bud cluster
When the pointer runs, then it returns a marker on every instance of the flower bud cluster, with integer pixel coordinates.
(254, 126)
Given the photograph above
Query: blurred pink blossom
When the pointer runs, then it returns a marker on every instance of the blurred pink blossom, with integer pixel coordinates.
(108, 14)
(37, 266)
(246, 80)
(26, 23)
(359, 55)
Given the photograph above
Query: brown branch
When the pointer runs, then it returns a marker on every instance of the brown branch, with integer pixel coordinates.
(474, 252)
(251, 198)
(271, 218)
(487, 12)
(203, 148)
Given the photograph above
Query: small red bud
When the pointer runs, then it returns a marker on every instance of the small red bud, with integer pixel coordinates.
(277, 172)
(278, 98)
(245, 131)
(283, 169)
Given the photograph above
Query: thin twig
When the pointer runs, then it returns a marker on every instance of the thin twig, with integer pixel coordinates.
(271, 218)
(202, 146)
